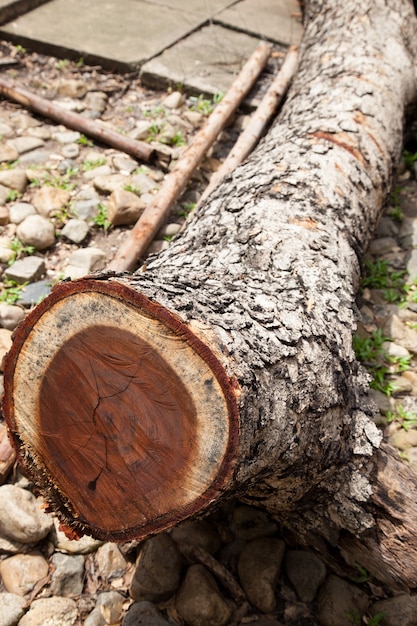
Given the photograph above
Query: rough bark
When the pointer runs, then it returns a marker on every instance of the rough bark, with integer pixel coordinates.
(262, 285)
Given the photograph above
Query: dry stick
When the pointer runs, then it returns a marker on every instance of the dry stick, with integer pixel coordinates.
(138, 149)
(258, 121)
(156, 213)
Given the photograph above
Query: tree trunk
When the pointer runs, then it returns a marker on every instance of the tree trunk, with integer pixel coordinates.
(225, 366)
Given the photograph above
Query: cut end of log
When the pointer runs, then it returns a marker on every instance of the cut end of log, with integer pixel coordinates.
(124, 419)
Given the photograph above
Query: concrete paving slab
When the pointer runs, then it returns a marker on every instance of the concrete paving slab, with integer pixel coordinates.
(121, 34)
(274, 19)
(10, 9)
(205, 62)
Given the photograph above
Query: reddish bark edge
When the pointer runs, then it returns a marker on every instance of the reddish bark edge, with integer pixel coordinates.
(44, 483)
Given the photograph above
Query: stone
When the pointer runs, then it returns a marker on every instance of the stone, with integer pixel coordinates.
(387, 228)
(144, 613)
(72, 104)
(411, 266)
(42, 132)
(143, 183)
(251, 523)
(338, 599)
(111, 604)
(124, 164)
(4, 192)
(5, 344)
(101, 171)
(12, 607)
(68, 574)
(54, 611)
(88, 259)
(36, 231)
(14, 179)
(383, 245)
(306, 572)
(401, 609)
(95, 618)
(124, 207)
(6, 253)
(84, 545)
(194, 117)
(158, 570)
(4, 215)
(401, 333)
(75, 230)
(49, 200)
(404, 439)
(174, 100)
(96, 100)
(395, 350)
(86, 209)
(70, 150)
(33, 293)
(142, 129)
(20, 210)
(199, 600)
(20, 573)
(72, 88)
(64, 137)
(27, 143)
(110, 562)
(259, 567)
(109, 183)
(8, 152)
(35, 157)
(26, 270)
(10, 315)
(196, 534)
(22, 517)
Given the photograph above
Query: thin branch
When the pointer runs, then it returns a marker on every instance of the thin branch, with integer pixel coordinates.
(156, 213)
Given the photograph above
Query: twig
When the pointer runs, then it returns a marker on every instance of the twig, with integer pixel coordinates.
(156, 213)
(138, 149)
(258, 121)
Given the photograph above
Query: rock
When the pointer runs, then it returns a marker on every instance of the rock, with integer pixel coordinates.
(110, 604)
(54, 611)
(110, 561)
(124, 207)
(395, 350)
(86, 209)
(144, 613)
(194, 117)
(66, 136)
(4, 215)
(387, 228)
(338, 599)
(67, 575)
(400, 333)
(75, 230)
(196, 534)
(48, 200)
(10, 315)
(401, 609)
(72, 104)
(143, 182)
(20, 210)
(26, 270)
(20, 573)
(158, 570)
(72, 88)
(109, 183)
(35, 157)
(4, 192)
(6, 252)
(199, 600)
(251, 523)
(27, 143)
(383, 402)
(14, 179)
(123, 164)
(5, 344)
(96, 100)
(306, 572)
(174, 100)
(8, 152)
(95, 618)
(42, 132)
(101, 171)
(142, 129)
(12, 607)
(36, 231)
(259, 567)
(35, 292)
(22, 517)
(404, 439)
(70, 150)
(411, 266)
(88, 259)
(84, 545)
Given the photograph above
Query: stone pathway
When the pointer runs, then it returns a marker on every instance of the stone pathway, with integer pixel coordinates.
(200, 45)
(90, 194)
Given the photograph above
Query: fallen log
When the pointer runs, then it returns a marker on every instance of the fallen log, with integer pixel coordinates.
(225, 367)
